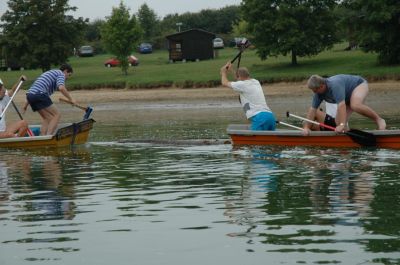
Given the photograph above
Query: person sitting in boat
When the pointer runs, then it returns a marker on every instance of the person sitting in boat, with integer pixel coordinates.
(327, 117)
(348, 92)
(38, 96)
(15, 129)
(251, 97)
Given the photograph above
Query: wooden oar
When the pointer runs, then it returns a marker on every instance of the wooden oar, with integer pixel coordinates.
(88, 110)
(361, 137)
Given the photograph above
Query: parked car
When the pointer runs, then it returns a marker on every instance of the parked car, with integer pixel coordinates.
(11, 64)
(236, 41)
(132, 60)
(86, 51)
(218, 43)
(145, 48)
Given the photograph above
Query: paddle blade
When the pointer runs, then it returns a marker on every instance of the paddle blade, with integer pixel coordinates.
(362, 137)
(89, 111)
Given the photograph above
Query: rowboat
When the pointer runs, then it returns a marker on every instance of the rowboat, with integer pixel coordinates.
(66, 135)
(242, 135)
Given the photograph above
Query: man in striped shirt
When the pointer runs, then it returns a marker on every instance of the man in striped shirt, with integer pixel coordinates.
(38, 96)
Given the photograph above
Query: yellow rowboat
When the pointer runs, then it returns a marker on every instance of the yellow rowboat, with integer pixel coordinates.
(242, 135)
(66, 135)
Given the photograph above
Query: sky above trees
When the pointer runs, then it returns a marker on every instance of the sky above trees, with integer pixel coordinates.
(93, 9)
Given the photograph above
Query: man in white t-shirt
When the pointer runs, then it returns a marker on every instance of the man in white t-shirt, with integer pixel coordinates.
(18, 128)
(251, 97)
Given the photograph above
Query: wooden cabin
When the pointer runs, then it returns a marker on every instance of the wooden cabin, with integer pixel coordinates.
(191, 45)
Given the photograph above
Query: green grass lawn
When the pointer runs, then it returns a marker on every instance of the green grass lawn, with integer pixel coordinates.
(155, 70)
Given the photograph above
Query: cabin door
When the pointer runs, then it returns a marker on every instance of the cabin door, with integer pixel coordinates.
(175, 51)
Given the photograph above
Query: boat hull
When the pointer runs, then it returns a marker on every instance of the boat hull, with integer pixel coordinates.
(241, 135)
(66, 135)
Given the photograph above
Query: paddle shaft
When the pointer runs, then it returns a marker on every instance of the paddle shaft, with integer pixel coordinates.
(17, 110)
(358, 136)
(290, 125)
(12, 97)
(73, 104)
(243, 46)
(310, 121)
(237, 56)
(29, 131)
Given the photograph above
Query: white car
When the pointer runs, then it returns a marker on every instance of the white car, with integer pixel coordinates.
(218, 43)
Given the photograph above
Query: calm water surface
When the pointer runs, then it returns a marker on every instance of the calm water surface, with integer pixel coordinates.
(113, 202)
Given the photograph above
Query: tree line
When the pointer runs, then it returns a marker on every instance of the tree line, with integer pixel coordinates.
(41, 33)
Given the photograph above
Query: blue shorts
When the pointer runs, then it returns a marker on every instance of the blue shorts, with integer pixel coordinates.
(38, 101)
(263, 121)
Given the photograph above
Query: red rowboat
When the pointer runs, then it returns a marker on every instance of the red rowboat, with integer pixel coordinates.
(242, 135)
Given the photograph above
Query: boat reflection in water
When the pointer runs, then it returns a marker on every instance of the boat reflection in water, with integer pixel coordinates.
(312, 200)
(43, 189)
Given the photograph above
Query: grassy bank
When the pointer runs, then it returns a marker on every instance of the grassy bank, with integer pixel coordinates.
(155, 70)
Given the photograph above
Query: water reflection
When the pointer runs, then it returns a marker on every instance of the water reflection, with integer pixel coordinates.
(319, 199)
(36, 191)
(155, 203)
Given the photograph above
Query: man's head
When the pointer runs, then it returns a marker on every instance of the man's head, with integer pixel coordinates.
(242, 73)
(317, 84)
(67, 69)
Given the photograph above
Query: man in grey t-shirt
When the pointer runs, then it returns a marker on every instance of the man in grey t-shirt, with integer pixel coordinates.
(349, 92)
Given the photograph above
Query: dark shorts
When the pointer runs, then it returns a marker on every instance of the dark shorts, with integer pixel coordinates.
(329, 120)
(38, 101)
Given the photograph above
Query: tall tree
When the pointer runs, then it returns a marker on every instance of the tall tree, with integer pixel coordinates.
(39, 32)
(345, 24)
(120, 34)
(149, 22)
(378, 28)
(213, 20)
(301, 27)
(92, 30)
(241, 29)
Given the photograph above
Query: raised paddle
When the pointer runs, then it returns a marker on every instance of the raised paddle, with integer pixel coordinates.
(88, 110)
(29, 131)
(243, 44)
(361, 137)
(21, 81)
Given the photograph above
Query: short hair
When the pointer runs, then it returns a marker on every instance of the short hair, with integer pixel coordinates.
(315, 81)
(243, 72)
(67, 67)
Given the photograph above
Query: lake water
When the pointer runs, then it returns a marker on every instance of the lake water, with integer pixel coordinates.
(125, 198)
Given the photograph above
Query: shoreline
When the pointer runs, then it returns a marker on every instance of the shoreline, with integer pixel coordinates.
(134, 103)
(294, 90)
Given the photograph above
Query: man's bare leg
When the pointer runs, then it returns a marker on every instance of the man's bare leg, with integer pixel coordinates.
(54, 120)
(46, 118)
(357, 104)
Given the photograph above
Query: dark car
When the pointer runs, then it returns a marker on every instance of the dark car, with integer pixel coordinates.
(145, 48)
(86, 51)
(10, 64)
(236, 41)
(132, 60)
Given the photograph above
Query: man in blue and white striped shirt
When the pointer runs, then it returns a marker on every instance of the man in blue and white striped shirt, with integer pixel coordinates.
(38, 96)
